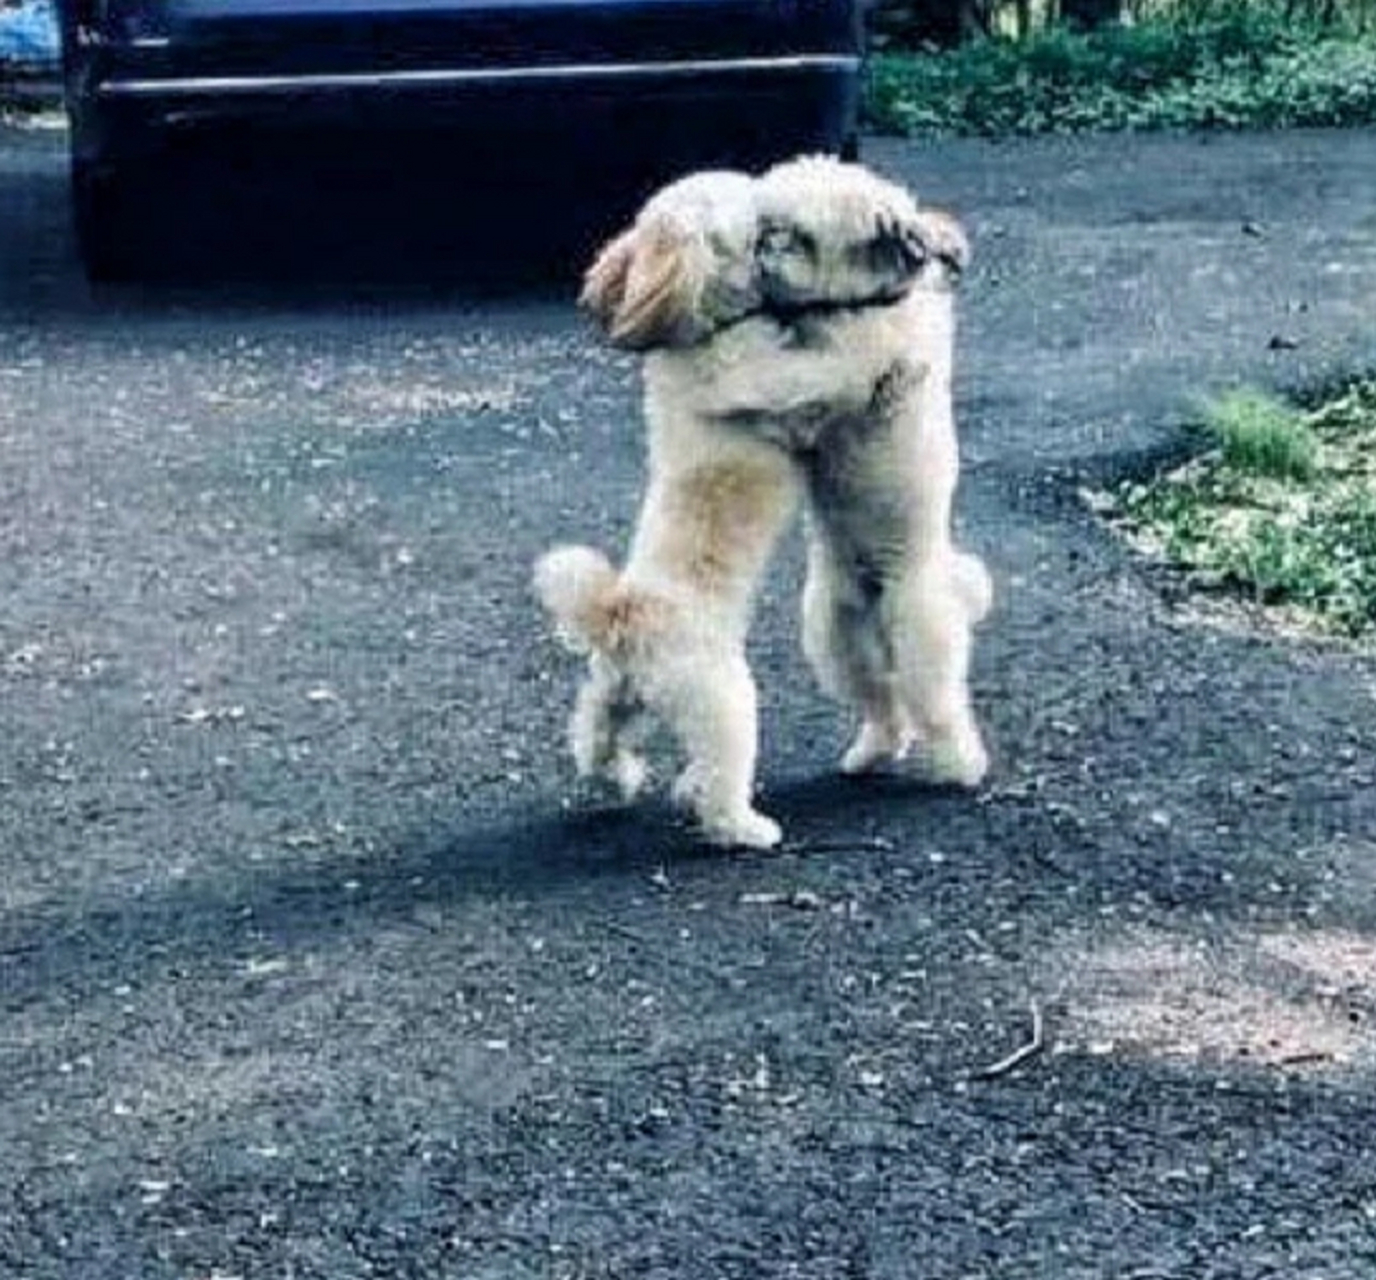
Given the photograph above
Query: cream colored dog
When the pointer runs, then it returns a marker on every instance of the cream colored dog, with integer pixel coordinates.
(782, 327)
(666, 634)
(889, 603)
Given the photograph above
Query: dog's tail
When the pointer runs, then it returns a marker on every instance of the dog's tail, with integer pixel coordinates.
(593, 608)
(973, 585)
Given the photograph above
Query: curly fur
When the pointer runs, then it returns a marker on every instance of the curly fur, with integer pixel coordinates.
(772, 374)
(682, 268)
(889, 602)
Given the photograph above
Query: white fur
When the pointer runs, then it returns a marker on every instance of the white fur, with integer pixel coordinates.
(745, 417)
(667, 634)
(889, 603)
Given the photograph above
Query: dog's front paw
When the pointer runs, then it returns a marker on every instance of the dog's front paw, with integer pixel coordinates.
(899, 242)
(959, 759)
(748, 830)
(945, 238)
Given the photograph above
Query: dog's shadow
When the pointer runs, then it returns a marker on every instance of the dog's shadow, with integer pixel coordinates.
(552, 855)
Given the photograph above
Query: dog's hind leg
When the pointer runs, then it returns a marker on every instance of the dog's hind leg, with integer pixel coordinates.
(603, 729)
(845, 644)
(932, 639)
(714, 711)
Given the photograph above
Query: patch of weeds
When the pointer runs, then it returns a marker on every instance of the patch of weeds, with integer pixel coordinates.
(1257, 434)
(1281, 508)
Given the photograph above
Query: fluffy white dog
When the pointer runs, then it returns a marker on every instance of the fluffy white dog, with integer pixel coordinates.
(889, 602)
(794, 327)
(666, 634)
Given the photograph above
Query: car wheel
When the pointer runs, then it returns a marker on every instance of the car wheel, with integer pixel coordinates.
(106, 230)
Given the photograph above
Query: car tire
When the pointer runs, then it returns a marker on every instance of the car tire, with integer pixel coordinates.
(106, 230)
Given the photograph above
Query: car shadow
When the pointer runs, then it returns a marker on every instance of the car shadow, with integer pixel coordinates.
(295, 231)
(419, 238)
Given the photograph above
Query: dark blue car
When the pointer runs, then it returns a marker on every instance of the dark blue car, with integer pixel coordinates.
(681, 82)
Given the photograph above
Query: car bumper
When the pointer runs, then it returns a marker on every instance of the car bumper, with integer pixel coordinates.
(725, 110)
(723, 74)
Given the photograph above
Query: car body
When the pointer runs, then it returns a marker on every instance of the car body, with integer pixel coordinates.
(691, 82)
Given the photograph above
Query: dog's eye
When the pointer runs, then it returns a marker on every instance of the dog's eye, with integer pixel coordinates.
(784, 237)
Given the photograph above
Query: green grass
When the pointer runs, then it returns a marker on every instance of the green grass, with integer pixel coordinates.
(1244, 68)
(1281, 508)
(1259, 435)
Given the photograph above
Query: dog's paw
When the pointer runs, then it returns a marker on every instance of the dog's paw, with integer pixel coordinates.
(631, 773)
(896, 232)
(959, 760)
(861, 756)
(584, 759)
(587, 738)
(749, 830)
(688, 787)
(946, 239)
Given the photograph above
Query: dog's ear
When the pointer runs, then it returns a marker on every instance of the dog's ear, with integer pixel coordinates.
(663, 288)
(604, 283)
(945, 240)
(646, 285)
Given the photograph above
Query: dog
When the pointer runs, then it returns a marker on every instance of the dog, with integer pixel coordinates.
(665, 635)
(889, 602)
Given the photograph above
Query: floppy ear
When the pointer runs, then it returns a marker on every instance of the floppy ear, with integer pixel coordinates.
(604, 283)
(945, 239)
(663, 288)
(646, 286)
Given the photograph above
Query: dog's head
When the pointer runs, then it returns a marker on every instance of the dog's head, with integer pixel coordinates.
(833, 233)
(685, 266)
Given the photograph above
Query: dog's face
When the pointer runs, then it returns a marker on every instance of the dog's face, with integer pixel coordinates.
(685, 267)
(812, 232)
(833, 233)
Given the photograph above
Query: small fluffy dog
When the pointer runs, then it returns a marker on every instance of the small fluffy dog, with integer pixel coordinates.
(889, 603)
(666, 634)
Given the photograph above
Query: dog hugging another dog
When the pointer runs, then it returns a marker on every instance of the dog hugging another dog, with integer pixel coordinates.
(798, 331)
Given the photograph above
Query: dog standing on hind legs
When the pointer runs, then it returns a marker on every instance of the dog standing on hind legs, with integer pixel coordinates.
(889, 601)
(666, 634)
(887, 632)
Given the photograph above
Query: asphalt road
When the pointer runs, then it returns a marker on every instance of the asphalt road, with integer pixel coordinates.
(315, 962)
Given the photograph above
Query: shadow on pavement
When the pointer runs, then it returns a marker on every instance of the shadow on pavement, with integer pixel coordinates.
(599, 850)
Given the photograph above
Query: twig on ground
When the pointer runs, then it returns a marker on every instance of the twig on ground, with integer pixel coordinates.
(1004, 1065)
(852, 844)
(1306, 1059)
(802, 899)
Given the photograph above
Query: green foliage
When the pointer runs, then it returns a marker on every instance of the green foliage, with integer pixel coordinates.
(1259, 435)
(1236, 68)
(922, 24)
(1285, 524)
